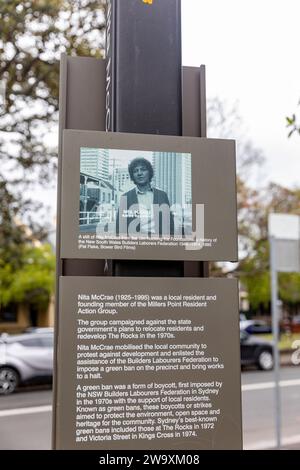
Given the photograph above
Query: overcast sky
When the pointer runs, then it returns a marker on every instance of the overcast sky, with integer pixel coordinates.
(251, 52)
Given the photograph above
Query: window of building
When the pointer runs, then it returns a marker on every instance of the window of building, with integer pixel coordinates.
(8, 314)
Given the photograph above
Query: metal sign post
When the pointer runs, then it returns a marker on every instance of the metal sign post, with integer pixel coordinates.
(275, 330)
(284, 239)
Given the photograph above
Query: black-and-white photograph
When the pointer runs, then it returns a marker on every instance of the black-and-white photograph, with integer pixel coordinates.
(132, 193)
(139, 196)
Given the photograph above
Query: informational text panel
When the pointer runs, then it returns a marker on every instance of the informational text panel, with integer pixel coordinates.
(148, 363)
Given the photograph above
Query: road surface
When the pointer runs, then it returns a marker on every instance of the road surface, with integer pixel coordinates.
(25, 417)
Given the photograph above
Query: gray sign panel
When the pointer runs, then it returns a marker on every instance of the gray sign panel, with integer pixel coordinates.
(287, 255)
(148, 365)
(134, 196)
(284, 233)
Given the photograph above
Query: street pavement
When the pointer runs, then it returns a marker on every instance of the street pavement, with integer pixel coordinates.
(259, 409)
(25, 417)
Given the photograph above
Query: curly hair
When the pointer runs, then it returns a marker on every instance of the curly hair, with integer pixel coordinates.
(140, 161)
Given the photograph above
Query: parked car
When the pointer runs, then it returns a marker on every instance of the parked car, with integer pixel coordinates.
(255, 351)
(24, 358)
(255, 327)
(39, 329)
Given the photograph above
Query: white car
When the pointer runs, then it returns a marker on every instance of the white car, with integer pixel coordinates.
(24, 357)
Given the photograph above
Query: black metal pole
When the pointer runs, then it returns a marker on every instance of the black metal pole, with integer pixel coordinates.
(144, 86)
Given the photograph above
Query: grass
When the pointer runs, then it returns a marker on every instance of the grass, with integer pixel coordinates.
(285, 341)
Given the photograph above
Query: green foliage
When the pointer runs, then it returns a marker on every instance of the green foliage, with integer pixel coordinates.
(33, 36)
(289, 288)
(254, 269)
(255, 275)
(26, 271)
(12, 236)
(34, 33)
(258, 288)
(254, 206)
(293, 124)
(33, 282)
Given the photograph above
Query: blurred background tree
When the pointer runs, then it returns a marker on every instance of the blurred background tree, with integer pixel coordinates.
(255, 201)
(34, 33)
(254, 268)
(32, 283)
